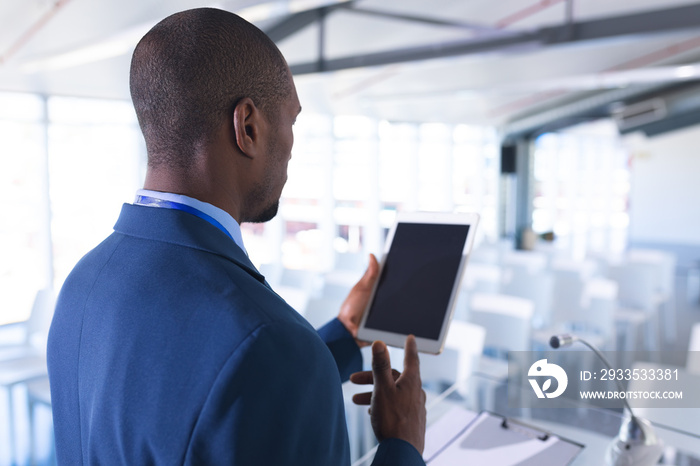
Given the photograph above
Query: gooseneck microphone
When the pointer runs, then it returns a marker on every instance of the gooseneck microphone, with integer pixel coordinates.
(637, 443)
(559, 341)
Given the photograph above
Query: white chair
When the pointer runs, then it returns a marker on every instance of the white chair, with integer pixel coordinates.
(507, 320)
(534, 284)
(13, 373)
(488, 253)
(663, 266)
(594, 321)
(478, 278)
(297, 298)
(482, 278)
(39, 394)
(693, 362)
(350, 261)
(306, 280)
(598, 304)
(318, 311)
(639, 303)
(569, 279)
(533, 261)
(338, 283)
(27, 360)
(508, 324)
(36, 329)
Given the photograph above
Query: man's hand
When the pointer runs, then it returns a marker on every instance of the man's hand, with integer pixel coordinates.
(358, 299)
(397, 404)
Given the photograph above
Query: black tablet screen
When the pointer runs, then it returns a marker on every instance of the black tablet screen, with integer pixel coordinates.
(417, 278)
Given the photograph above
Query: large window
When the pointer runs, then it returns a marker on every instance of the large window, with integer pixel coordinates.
(24, 235)
(68, 164)
(96, 163)
(582, 184)
(349, 175)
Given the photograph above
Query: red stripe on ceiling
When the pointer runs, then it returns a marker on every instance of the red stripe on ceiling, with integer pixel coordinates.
(525, 12)
(32, 31)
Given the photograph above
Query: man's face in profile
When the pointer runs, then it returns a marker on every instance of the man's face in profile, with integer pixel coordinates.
(280, 139)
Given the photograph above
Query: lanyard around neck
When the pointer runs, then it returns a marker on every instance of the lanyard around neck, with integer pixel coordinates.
(155, 202)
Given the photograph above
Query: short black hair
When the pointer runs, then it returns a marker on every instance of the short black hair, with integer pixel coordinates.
(189, 72)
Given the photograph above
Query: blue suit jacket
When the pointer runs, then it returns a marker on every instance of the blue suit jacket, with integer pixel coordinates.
(168, 347)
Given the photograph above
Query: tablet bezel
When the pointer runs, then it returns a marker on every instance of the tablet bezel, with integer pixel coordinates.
(425, 345)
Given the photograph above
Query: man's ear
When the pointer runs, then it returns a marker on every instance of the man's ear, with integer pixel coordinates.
(247, 127)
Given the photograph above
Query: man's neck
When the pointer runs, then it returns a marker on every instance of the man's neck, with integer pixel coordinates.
(191, 185)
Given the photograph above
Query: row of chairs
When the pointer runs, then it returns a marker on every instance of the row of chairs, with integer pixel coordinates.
(622, 304)
(23, 367)
(614, 304)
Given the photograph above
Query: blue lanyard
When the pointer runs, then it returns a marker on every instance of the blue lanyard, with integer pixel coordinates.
(154, 202)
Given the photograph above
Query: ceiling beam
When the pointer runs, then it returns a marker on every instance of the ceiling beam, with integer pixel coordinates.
(651, 22)
(420, 19)
(425, 52)
(298, 21)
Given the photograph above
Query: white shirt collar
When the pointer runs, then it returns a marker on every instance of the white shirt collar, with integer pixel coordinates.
(221, 216)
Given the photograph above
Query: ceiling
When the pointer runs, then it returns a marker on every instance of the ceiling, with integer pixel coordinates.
(523, 65)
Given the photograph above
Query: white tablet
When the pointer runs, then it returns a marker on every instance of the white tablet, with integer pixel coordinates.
(419, 279)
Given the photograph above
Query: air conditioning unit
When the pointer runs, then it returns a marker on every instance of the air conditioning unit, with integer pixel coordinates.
(639, 114)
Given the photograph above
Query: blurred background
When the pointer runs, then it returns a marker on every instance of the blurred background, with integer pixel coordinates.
(570, 126)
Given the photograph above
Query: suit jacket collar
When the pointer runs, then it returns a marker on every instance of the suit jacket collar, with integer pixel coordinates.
(184, 229)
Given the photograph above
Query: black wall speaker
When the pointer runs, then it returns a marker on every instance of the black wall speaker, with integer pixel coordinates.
(508, 156)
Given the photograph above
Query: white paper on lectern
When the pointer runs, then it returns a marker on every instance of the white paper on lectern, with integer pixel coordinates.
(445, 441)
(445, 429)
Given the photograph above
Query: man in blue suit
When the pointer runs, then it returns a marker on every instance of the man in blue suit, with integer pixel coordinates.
(167, 345)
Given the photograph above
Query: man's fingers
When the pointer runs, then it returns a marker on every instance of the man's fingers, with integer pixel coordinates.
(381, 365)
(366, 378)
(364, 399)
(362, 378)
(367, 280)
(411, 362)
(356, 302)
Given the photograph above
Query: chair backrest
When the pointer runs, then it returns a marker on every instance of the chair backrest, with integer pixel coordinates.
(297, 298)
(318, 311)
(569, 278)
(482, 278)
(535, 285)
(335, 291)
(350, 261)
(506, 319)
(664, 266)
(485, 253)
(40, 318)
(693, 361)
(309, 281)
(598, 305)
(533, 261)
(638, 283)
